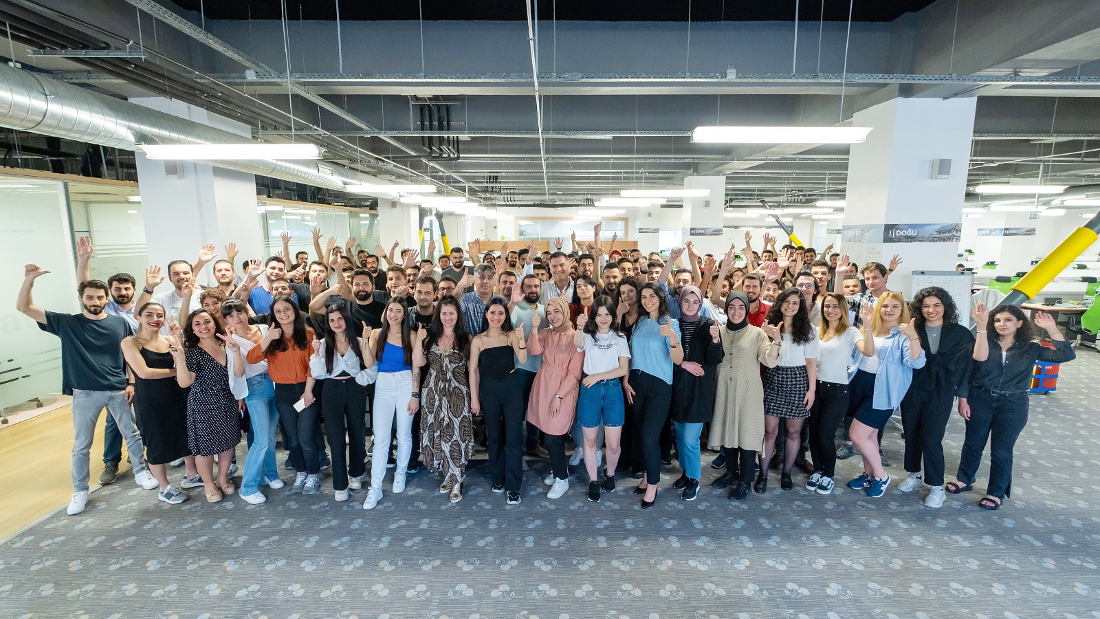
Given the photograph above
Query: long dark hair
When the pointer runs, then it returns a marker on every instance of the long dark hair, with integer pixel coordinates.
(330, 335)
(435, 330)
(301, 339)
(802, 330)
(190, 340)
(662, 301)
(633, 283)
(406, 333)
(505, 326)
(605, 302)
(1024, 334)
(950, 311)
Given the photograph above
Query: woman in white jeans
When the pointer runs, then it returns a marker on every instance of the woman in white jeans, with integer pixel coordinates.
(396, 395)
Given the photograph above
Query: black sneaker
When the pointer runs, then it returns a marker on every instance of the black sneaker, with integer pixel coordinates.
(690, 491)
(723, 480)
(414, 467)
(666, 459)
(513, 498)
(498, 488)
(681, 483)
(741, 491)
(719, 462)
(594, 490)
(608, 482)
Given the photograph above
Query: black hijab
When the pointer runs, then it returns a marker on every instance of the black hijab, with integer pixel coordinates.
(744, 299)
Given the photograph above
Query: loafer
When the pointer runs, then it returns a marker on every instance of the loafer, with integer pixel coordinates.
(785, 481)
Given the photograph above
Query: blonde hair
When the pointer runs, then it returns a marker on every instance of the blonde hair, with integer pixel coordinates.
(842, 324)
(876, 320)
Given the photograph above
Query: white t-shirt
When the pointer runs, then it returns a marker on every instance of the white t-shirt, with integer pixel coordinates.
(794, 355)
(172, 303)
(870, 364)
(601, 354)
(835, 355)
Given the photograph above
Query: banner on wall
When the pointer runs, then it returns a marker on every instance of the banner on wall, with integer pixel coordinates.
(705, 232)
(1006, 231)
(864, 233)
(922, 233)
(648, 230)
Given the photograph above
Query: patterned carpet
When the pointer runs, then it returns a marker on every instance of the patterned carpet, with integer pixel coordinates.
(785, 554)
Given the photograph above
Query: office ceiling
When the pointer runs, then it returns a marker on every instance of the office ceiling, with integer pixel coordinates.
(450, 98)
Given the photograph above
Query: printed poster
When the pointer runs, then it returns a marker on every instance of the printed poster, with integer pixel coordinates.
(922, 233)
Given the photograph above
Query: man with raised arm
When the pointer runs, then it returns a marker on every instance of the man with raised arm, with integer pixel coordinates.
(93, 372)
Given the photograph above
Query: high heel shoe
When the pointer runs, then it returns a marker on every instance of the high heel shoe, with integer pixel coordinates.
(761, 485)
(640, 489)
(647, 504)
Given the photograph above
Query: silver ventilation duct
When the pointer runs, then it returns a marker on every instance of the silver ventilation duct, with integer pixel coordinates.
(35, 103)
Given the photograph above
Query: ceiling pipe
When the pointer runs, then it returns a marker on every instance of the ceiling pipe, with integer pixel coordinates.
(35, 103)
(538, 97)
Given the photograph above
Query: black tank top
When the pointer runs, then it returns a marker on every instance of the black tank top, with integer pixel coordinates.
(497, 363)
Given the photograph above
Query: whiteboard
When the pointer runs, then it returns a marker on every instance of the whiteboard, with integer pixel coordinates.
(956, 283)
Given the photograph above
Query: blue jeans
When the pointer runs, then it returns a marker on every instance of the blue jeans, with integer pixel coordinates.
(302, 427)
(601, 403)
(87, 405)
(259, 464)
(112, 442)
(687, 447)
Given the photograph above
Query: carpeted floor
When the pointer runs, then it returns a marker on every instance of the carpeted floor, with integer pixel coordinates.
(784, 554)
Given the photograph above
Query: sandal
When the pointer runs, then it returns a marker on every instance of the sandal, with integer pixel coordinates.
(957, 487)
(990, 503)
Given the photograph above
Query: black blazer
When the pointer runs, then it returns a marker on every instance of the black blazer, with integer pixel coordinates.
(693, 396)
(947, 371)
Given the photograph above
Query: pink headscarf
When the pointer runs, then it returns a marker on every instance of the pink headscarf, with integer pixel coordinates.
(563, 306)
(684, 292)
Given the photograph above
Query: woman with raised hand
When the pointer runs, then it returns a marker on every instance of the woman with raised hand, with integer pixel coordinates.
(495, 393)
(446, 423)
(585, 289)
(160, 404)
(654, 350)
(338, 361)
(396, 395)
(839, 342)
(926, 409)
(694, 385)
(879, 385)
(287, 346)
(1004, 357)
(259, 465)
(790, 386)
(553, 400)
(738, 422)
(205, 359)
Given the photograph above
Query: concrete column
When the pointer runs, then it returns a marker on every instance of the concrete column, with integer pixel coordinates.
(705, 214)
(186, 204)
(398, 222)
(891, 181)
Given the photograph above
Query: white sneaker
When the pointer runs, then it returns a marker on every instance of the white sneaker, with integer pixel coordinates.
(255, 499)
(398, 484)
(275, 484)
(825, 485)
(935, 497)
(599, 458)
(145, 479)
(77, 503)
(558, 489)
(374, 495)
(191, 482)
(299, 482)
(313, 482)
(355, 483)
(549, 479)
(342, 495)
(578, 455)
(911, 483)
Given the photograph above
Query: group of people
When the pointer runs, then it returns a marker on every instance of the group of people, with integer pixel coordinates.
(762, 356)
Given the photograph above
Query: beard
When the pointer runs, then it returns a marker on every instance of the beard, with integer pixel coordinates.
(94, 310)
(123, 299)
(532, 297)
(362, 295)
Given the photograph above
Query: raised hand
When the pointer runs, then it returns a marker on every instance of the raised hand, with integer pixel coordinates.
(349, 244)
(518, 332)
(206, 254)
(153, 278)
(231, 253)
(909, 330)
(379, 250)
(536, 320)
(412, 258)
(174, 345)
(175, 329)
(84, 249)
(421, 333)
(285, 236)
(366, 332)
(675, 254)
(715, 333)
(769, 240)
(396, 244)
(573, 239)
(316, 347)
(772, 331)
(517, 295)
(254, 268)
(274, 333)
(748, 238)
(597, 229)
(33, 272)
(330, 244)
(582, 320)
(981, 316)
(571, 264)
(772, 273)
(666, 330)
(230, 344)
(317, 234)
(843, 263)
(558, 243)
(1045, 321)
(431, 248)
(186, 290)
(614, 237)
(867, 313)
(708, 264)
(894, 262)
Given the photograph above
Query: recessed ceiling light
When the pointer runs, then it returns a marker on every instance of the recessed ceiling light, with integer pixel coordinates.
(664, 193)
(1021, 189)
(619, 201)
(133, 198)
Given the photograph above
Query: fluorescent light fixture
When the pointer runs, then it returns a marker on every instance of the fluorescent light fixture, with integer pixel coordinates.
(809, 210)
(1082, 202)
(973, 210)
(1087, 215)
(393, 189)
(828, 216)
(596, 214)
(432, 199)
(618, 201)
(301, 210)
(198, 152)
(263, 208)
(16, 186)
(833, 203)
(1052, 212)
(292, 216)
(664, 193)
(780, 135)
(133, 198)
(1005, 207)
(740, 215)
(1021, 189)
(132, 212)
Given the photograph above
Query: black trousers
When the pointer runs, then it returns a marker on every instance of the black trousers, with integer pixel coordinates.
(344, 407)
(741, 463)
(830, 405)
(652, 398)
(531, 432)
(301, 428)
(998, 419)
(559, 464)
(504, 422)
(924, 417)
(631, 441)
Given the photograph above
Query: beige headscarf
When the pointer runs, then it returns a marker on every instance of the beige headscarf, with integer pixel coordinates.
(563, 306)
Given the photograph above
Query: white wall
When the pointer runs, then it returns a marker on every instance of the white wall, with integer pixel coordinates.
(1014, 254)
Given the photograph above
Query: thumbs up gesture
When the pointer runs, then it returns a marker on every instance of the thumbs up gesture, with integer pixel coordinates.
(909, 329)
(715, 333)
(536, 320)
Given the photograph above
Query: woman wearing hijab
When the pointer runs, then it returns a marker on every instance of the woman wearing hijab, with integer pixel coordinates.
(694, 384)
(738, 422)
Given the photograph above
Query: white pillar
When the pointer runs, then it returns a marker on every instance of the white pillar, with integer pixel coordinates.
(891, 181)
(398, 222)
(186, 204)
(702, 217)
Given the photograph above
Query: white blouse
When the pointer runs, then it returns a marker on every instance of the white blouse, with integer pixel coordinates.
(794, 355)
(347, 363)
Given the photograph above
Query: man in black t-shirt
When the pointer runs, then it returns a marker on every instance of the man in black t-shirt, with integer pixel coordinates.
(93, 372)
(364, 302)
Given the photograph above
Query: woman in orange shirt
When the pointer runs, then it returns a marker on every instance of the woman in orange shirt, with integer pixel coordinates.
(287, 346)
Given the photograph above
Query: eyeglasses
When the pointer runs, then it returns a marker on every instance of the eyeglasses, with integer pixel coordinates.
(804, 286)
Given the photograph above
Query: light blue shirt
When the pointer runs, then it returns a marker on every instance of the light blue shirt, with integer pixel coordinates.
(522, 315)
(895, 370)
(114, 309)
(649, 350)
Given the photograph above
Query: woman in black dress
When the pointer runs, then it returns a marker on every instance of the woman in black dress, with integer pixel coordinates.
(205, 357)
(160, 405)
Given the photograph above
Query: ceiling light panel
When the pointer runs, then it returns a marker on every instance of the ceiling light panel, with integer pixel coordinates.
(389, 189)
(664, 193)
(227, 152)
(780, 135)
(1019, 189)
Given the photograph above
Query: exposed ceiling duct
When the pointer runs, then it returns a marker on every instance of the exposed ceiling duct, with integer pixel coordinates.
(35, 103)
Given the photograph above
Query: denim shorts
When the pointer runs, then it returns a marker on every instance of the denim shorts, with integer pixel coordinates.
(602, 402)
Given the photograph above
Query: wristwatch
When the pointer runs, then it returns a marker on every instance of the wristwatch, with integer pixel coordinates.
(416, 395)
